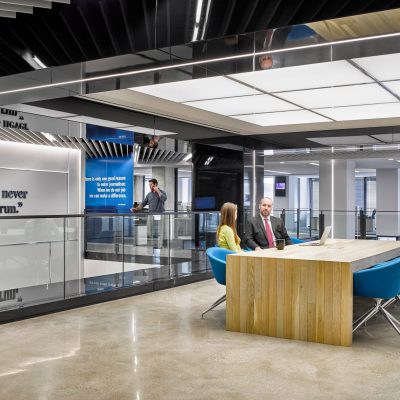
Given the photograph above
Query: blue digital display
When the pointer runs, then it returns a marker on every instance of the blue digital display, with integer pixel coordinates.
(204, 203)
(109, 184)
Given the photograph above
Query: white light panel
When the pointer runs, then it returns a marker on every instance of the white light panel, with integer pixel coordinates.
(243, 105)
(197, 89)
(340, 96)
(373, 111)
(394, 86)
(96, 121)
(282, 118)
(383, 68)
(304, 77)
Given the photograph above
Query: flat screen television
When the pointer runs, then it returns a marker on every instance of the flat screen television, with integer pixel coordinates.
(280, 186)
(204, 203)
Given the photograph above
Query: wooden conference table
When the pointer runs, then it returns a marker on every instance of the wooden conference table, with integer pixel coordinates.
(301, 292)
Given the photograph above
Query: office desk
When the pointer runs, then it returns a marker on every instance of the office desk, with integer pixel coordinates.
(302, 293)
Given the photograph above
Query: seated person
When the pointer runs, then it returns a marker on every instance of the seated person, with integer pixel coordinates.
(263, 229)
(227, 236)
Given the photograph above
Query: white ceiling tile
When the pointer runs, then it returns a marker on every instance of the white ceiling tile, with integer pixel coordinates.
(373, 111)
(339, 96)
(197, 89)
(304, 77)
(282, 118)
(394, 86)
(243, 105)
(383, 68)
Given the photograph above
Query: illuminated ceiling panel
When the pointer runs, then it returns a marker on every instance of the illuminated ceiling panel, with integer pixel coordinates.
(243, 105)
(373, 111)
(197, 89)
(340, 96)
(304, 77)
(394, 86)
(282, 118)
(383, 68)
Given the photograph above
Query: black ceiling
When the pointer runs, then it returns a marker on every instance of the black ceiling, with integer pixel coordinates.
(91, 29)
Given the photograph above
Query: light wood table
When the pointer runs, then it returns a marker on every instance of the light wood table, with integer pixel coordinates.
(301, 292)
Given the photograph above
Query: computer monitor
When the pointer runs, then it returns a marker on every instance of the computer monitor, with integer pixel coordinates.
(204, 203)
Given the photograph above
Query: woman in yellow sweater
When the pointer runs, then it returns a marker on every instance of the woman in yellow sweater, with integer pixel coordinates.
(227, 236)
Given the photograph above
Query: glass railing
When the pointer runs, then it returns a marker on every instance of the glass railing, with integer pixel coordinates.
(50, 258)
(45, 259)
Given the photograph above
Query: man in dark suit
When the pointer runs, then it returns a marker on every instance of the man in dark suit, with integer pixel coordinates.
(263, 229)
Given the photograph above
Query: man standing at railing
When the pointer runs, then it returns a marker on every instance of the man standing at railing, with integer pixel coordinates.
(155, 199)
(263, 229)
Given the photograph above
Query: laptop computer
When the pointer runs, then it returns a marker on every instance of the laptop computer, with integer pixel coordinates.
(323, 239)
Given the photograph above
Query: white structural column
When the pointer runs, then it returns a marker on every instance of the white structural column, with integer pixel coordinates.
(387, 202)
(336, 196)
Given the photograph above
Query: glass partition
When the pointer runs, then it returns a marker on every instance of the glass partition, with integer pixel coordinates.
(31, 261)
(44, 259)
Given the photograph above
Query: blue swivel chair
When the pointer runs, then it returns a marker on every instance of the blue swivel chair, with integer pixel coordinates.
(217, 258)
(296, 241)
(379, 282)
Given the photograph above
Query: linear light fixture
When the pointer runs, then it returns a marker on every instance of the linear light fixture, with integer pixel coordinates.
(39, 62)
(277, 172)
(197, 20)
(211, 60)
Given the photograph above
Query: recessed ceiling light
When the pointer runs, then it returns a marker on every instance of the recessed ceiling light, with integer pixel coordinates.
(282, 162)
(197, 89)
(282, 118)
(243, 105)
(384, 67)
(277, 172)
(339, 96)
(391, 159)
(314, 163)
(370, 111)
(308, 76)
(356, 171)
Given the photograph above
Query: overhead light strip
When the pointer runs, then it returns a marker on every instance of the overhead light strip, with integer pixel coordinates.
(211, 60)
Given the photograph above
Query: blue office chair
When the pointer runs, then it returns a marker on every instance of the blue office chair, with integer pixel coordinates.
(379, 282)
(217, 258)
(296, 241)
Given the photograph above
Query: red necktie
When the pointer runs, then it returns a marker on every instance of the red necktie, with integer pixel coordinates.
(270, 237)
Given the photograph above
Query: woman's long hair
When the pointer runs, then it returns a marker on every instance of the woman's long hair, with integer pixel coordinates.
(228, 211)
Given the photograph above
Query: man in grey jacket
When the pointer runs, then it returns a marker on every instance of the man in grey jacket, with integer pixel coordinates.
(155, 199)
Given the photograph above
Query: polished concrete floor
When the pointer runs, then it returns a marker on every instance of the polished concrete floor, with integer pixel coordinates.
(155, 346)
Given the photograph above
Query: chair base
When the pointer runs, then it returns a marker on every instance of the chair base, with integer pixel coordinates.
(379, 307)
(391, 301)
(217, 303)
